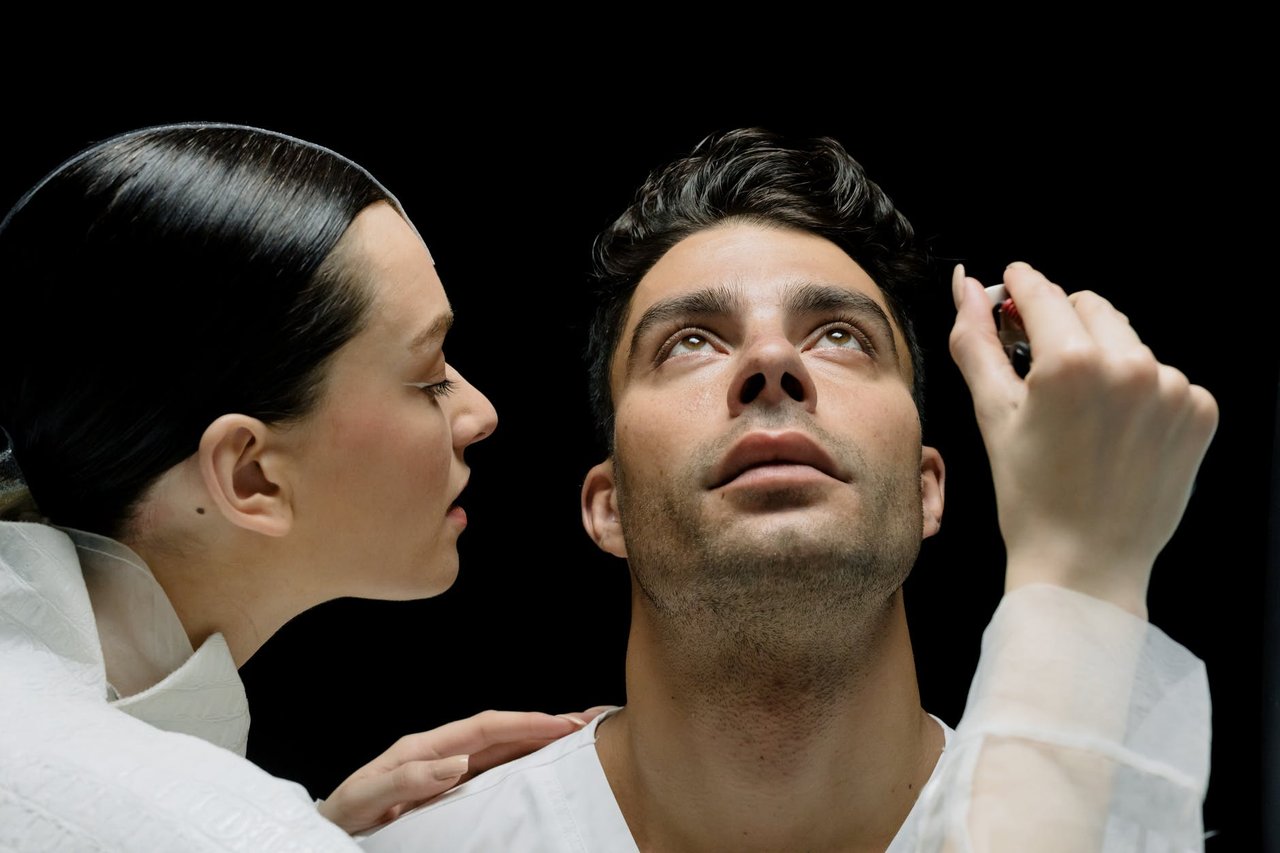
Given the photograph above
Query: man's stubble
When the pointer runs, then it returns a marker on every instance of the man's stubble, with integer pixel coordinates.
(794, 607)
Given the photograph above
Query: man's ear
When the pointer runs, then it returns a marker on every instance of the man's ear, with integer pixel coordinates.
(243, 473)
(932, 480)
(600, 509)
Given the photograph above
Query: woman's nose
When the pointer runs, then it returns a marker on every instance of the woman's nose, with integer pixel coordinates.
(474, 417)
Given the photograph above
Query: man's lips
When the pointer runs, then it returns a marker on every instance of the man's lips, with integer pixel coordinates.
(760, 449)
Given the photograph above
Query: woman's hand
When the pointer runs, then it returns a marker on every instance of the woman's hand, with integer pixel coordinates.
(421, 766)
(1095, 453)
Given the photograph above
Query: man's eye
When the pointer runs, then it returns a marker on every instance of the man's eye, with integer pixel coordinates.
(689, 343)
(839, 336)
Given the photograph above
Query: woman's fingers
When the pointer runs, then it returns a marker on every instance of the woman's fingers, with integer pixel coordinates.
(1051, 324)
(421, 766)
(367, 800)
(501, 753)
(593, 712)
(977, 351)
(1107, 326)
(416, 781)
(479, 732)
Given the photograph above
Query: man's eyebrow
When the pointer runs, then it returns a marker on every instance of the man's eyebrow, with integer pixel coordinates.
(436, 331)
(813, 298)
(710, 301)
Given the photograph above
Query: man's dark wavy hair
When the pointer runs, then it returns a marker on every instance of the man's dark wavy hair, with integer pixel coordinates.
(751, 175)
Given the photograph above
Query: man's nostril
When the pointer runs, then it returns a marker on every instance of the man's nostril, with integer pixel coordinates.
(793, 387)
(752, 387)
(755, 384)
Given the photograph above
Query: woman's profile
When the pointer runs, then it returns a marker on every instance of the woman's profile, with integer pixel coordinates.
(226, 401)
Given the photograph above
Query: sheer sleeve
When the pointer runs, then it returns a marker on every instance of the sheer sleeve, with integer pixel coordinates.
(1086, 728)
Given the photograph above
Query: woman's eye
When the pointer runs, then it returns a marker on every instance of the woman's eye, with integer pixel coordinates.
(434, 389)
(689, 343)
(838, 336)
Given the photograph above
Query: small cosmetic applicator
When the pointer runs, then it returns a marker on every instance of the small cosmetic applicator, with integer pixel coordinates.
(1010, 329)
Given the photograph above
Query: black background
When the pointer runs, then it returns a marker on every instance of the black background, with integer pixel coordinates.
(1144, 190)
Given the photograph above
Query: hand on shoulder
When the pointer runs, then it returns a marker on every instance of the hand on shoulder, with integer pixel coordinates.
(422, 766)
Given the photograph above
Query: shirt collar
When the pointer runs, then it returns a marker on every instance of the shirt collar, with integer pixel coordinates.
(152, 671)
(89, 606)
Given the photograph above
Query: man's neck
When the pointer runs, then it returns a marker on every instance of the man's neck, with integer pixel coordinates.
(765, 758)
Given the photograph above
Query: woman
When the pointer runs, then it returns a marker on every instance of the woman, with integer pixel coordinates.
(226, 401)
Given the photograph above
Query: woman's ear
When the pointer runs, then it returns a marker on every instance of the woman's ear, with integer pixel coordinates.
(932, 480)
(600, 509)
(244, 474)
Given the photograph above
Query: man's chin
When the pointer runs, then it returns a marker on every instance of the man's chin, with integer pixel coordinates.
(763, 522)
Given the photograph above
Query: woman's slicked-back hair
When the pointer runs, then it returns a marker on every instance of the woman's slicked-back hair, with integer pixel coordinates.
(156, 281)
(752, 175)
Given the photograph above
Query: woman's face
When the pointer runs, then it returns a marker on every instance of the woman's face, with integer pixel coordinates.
(382, 455)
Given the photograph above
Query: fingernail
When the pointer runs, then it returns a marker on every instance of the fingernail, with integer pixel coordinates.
(450, 768)
(1020, 264)
(571, 718)
(957, 285)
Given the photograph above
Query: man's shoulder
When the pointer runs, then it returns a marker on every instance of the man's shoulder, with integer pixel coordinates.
(567, 756)
(556, 798)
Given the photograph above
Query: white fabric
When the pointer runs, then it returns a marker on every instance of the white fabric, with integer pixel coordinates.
(160, 769)
(1065, 682)
(556, 800)
(1090, 725)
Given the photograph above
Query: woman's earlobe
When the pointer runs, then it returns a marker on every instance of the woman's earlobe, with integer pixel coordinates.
(600, 509)
(239, 474)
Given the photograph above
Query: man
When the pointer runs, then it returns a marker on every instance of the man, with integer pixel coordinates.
(758, 381)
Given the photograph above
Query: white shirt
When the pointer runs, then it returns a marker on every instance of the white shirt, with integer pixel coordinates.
(1065, 681)
(556, 800)
(159, 770)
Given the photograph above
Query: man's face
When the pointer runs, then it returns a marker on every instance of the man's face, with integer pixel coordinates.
(766, 438)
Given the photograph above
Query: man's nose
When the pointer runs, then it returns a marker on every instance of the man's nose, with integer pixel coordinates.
(771, 373)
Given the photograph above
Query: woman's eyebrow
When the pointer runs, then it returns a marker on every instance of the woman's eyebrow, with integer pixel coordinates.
(437, 329)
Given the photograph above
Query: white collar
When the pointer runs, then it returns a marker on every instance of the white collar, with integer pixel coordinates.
(90, 600)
